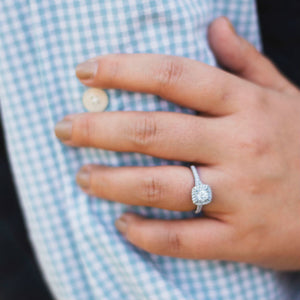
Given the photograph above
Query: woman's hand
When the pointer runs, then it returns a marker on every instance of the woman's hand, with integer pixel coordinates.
(245, 141)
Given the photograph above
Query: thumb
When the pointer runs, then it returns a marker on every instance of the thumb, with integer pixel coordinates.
(240, 57)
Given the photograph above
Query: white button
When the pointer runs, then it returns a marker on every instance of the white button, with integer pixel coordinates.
(95, 100)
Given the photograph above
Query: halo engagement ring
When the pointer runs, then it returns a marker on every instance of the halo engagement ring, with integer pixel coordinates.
(201, 193)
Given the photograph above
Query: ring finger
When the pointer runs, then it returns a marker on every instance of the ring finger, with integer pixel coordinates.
(165, 187)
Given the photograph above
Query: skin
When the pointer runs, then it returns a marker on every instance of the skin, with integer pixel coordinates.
(245, 142)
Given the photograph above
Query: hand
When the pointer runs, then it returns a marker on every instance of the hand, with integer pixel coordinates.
(245, 141)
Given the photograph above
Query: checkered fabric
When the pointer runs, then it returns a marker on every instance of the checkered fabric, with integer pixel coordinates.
(80, 252)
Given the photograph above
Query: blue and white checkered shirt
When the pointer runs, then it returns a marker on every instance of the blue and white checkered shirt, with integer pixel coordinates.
(81, 254)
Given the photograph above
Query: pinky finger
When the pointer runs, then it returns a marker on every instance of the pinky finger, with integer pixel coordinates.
(199, 238)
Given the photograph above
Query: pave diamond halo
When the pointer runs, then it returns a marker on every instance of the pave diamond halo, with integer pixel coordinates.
(201, 193)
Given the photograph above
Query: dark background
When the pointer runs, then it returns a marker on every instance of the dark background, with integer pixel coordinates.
(280, 26)
(20, 277)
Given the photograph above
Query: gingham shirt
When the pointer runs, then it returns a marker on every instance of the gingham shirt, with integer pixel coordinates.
(80, 252)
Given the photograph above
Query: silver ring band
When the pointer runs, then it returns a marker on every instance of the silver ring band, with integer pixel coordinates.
(201, 193)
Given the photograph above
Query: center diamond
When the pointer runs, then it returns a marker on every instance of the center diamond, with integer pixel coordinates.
(201, 194)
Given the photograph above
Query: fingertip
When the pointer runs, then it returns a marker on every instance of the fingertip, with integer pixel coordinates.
(220, 30)
(126, 220)
(87, 70)
(225, 23)
(83, 177)
(121, 224)
(63, 130)
(226, 44)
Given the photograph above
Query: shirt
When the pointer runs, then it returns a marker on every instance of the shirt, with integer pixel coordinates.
(80, 252)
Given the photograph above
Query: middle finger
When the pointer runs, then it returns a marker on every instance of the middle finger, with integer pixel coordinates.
(167, 135)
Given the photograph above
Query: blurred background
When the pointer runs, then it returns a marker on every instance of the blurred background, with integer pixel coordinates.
(20, 277)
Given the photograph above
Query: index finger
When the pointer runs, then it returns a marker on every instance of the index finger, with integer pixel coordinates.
(184, 81)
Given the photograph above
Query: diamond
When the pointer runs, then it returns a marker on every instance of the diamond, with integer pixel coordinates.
(202, 195)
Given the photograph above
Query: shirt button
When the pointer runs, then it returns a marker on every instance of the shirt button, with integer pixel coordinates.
(95, 100)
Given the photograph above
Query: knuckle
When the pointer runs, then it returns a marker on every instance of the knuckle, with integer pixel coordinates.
(169, 72)
(254, 143)
(251, 185)
(143, 130)
(258, 146)
(255, 99)
(110, 68)
(151, 190)
(260, 99)
(226, 96)
(174, 242)
(249, 239)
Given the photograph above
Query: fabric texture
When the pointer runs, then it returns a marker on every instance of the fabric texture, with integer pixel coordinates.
(80, 252)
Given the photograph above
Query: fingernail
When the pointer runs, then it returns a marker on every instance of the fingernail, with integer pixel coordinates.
(121, 224)
(63, 130)
(230, 26)
(93, 59)
(83, 178)
(87, 69)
